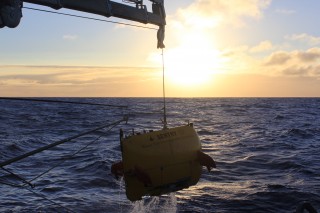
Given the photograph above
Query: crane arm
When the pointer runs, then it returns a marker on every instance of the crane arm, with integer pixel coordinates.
(11, 11)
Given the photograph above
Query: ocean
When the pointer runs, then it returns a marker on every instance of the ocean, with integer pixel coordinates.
(267, 152)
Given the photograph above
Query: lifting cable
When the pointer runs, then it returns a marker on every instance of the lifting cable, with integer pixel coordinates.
(64, 159)
(111, 126)
(95, 19)
(60, 101)
(37, 194)
(70, 156)
(10, 161)
(10, 184)
(164, 94)
(17, 176)
(51, 201)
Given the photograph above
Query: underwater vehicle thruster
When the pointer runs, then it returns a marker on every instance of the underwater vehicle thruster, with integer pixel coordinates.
(160, 162)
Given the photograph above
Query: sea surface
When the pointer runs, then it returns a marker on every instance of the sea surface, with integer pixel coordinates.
(267, 152)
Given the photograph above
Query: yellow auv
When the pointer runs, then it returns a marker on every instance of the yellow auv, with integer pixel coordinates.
(160, 162)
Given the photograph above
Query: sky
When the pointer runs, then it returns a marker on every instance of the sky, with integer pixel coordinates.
(214, 48)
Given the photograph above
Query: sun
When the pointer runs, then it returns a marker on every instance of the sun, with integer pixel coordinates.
(193, 62)
(187, 67)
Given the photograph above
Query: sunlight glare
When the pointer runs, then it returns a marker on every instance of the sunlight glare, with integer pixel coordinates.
(193, 62)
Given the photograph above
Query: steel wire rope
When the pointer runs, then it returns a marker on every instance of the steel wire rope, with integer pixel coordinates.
(47, 171)
(60, 101)
(10, 184)
(15, 159)
(19, 177)
(95, 19)
(72, 155)
(78, 151)
(164, 93)
(35, 193)
(47, 199)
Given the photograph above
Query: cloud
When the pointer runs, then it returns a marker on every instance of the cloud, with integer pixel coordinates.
(281, 57)
(311, 55)
(212, 13)
(75, 81)
(263, 46)
(194, 28)
(303, 71)
(297, 63)
(278, 58)
(304, 38)
(298, 70)
(72, 75)
(70, 37)
(285, 11)
(294, 63)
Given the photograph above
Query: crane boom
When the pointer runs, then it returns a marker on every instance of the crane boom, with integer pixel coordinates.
(11, 11)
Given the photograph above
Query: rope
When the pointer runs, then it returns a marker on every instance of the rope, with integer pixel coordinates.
(37, 194)
(69, 157)
(95, 19)
(60, 101)
(20, 178)
(164, 94)
(42, 174)
(10, 161)
(47, 199)
(10, 184)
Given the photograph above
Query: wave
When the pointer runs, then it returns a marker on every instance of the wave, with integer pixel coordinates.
(266, 151)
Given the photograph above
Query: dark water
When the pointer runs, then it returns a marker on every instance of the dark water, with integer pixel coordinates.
(267, 153)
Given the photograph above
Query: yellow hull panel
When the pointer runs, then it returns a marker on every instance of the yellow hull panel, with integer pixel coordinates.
(166, 161)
